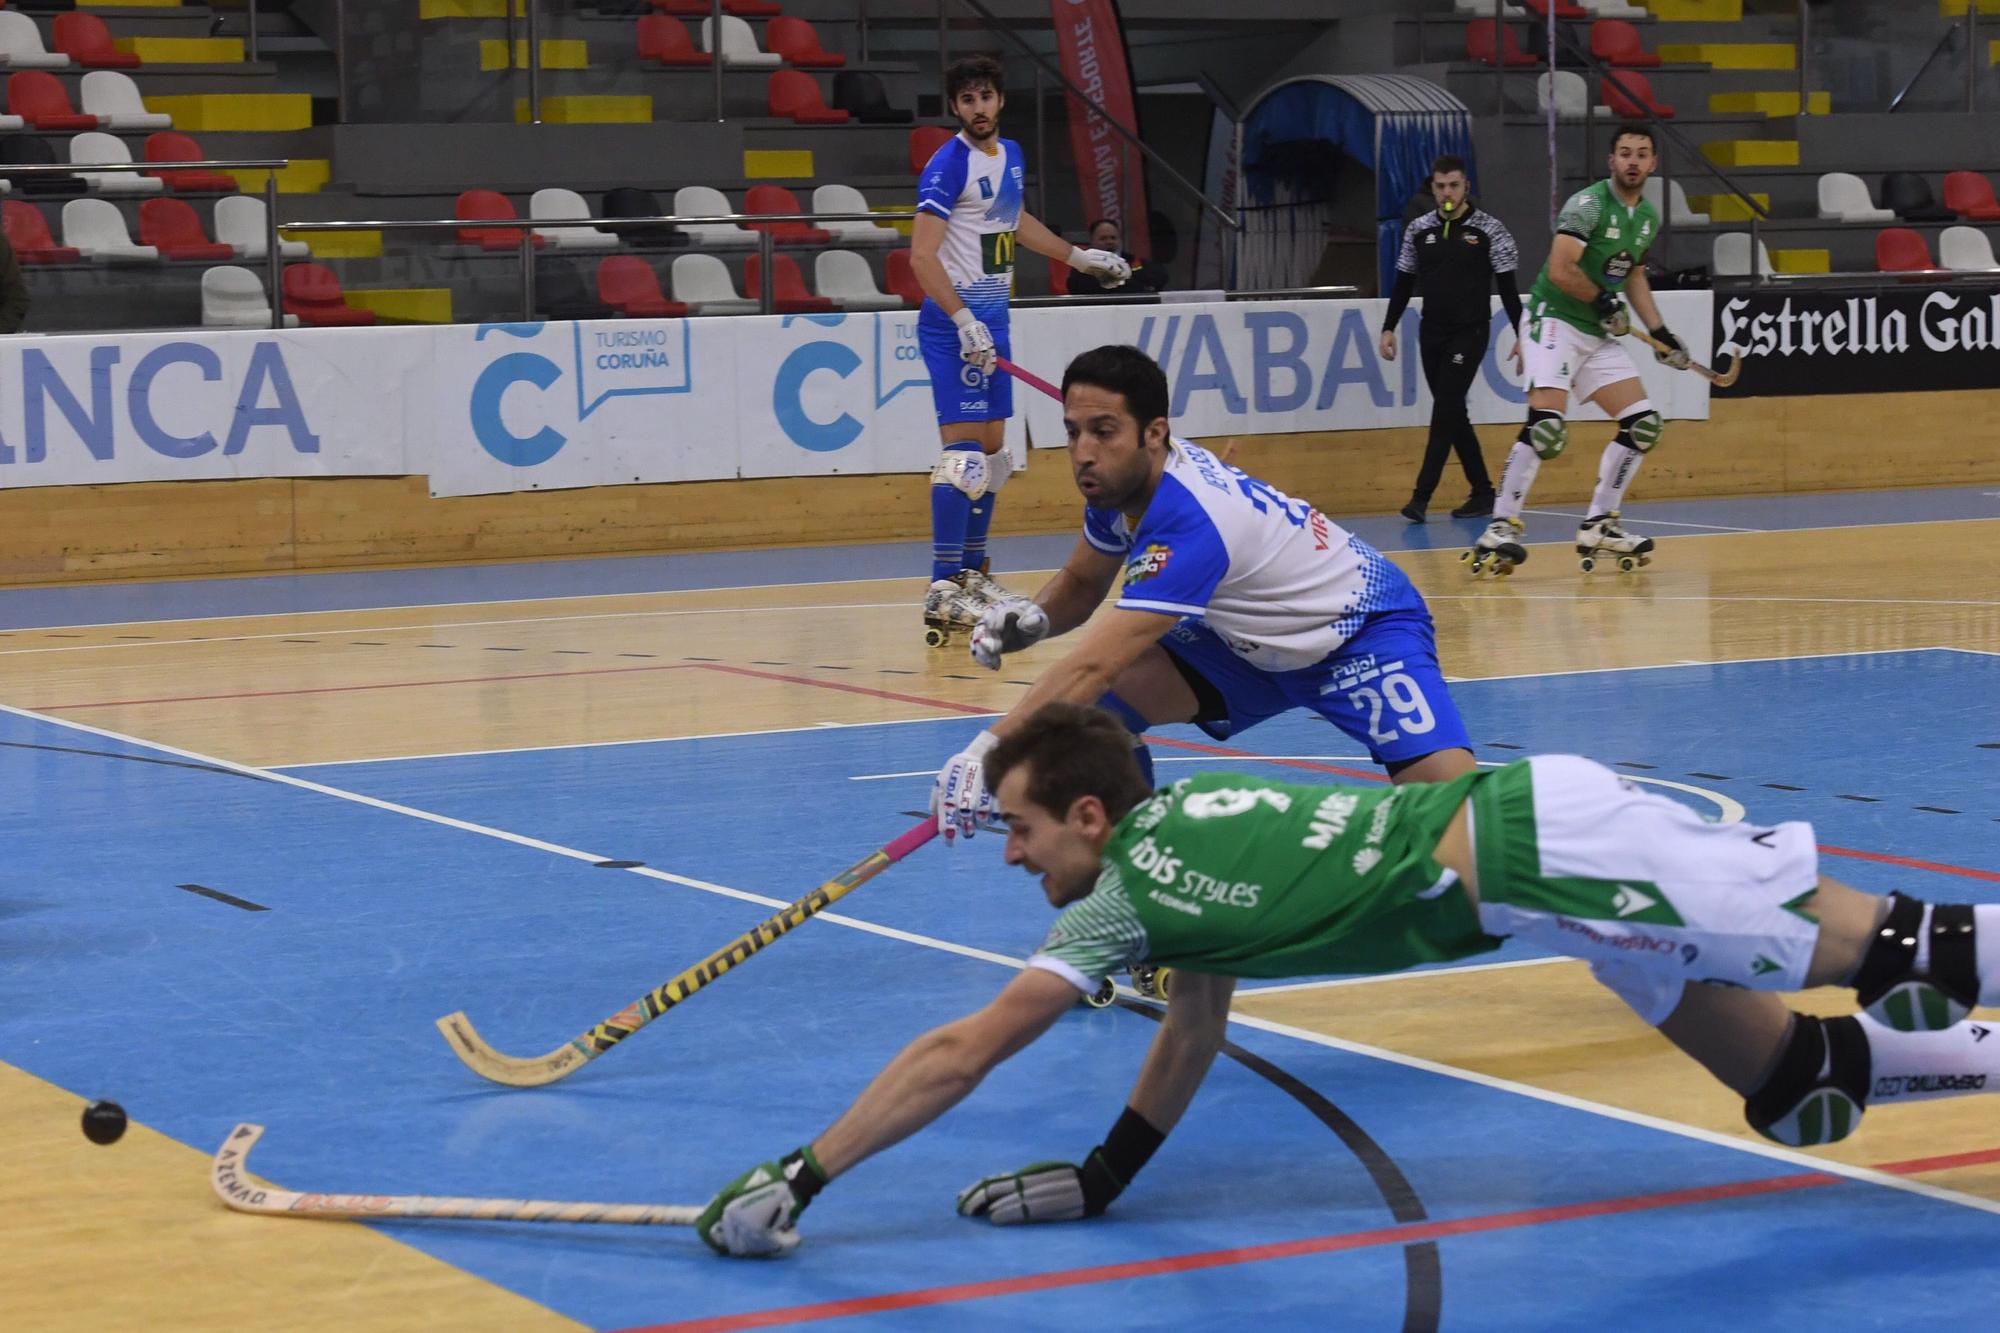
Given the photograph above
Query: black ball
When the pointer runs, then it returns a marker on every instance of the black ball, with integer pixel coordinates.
(103, 1122)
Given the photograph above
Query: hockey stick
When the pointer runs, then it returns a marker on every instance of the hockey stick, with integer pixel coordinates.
(572, 1055)
(247, 1194)
(1028, 377)
(1720, 379)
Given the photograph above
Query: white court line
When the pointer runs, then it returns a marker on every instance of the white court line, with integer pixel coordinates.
(1771, 1151)
(1653, 522)
(1731, 597)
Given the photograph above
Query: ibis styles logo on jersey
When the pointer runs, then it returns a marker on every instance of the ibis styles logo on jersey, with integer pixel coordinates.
(1147, 563)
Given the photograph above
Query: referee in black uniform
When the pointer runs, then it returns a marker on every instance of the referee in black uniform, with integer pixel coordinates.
(1460, 255)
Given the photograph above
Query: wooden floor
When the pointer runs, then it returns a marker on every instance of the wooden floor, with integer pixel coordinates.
(287, 690)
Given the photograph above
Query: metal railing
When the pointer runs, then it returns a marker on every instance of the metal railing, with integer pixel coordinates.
(1969, 26)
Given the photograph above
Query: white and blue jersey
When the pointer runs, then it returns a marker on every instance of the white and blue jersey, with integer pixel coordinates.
(1281, 608)
(978, 194)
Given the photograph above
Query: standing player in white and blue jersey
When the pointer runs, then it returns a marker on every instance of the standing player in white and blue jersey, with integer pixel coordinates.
(969, 219)
(1239, 603)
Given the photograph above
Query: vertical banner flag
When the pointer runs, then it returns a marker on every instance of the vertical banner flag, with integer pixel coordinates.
(1110, 172)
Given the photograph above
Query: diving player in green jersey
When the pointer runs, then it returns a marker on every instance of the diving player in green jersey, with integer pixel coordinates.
(1569, 343)
(1223, 876)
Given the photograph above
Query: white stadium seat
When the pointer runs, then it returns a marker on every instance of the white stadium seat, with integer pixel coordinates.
(739, 45)
(97, 146)
(1845, 198)
(1966, 249)
(1731, 256)
(232, 297)
(1683, 214)
(846, 278)
(703, 282)
(1614, 9)
(557, 204)
(21, 44)
(705, 201)
(240, 221)
(97, 228)
(1572, 96)
(114, 99)
(847, 199)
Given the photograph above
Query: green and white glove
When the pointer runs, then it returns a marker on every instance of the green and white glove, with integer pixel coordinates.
(755, 1216)
(1043, 1192)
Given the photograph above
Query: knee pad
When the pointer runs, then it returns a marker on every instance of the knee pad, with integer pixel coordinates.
(1641, 428)
(999, 467)
(1819, 1089)
(1895, 993)
(963, 467)
(1545, 432)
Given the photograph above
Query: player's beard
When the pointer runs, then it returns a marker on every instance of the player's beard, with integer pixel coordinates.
(992, 131)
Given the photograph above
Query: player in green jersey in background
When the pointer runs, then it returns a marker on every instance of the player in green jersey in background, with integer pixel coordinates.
(1223, 876)
(1569, 345)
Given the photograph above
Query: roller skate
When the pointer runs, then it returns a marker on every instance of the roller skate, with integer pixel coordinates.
(987, 589)
(1152, 983)
(1102, 997)
(1600, 538)
(951, 606)
(1498, 548)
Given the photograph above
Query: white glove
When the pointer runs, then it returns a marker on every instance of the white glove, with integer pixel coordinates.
(959, 797)
(1108, 268)
(1007, 627)
(1043, 1192)
(975, 341)
(755, 1216)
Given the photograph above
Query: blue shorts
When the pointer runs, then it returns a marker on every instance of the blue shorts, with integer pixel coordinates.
(1382, 687)
(959, 392)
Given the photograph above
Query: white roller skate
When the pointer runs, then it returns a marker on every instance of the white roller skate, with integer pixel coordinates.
(1600, 538)
(951, 606)
(1498, 548)
(983, 586)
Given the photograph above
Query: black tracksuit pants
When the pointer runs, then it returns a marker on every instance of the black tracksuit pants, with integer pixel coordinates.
(1451, 355)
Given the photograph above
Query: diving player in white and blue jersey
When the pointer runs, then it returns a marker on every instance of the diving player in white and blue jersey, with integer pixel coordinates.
(1239, 603)
(969, 219)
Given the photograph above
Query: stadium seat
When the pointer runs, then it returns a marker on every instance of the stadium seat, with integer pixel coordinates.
(1630, 94)
(705, 201)
(629, 286)
(925, 140)
(1614, 10)
(312, 292)
(1730, 257)
(97, 228)
(28, 232)
(114, 99)
(751, 9)
(1482, 46)
(561, 293)
(664, 40)
(1909, 196)
(1572, 96)
(31, 150)
(97, 146)
(629, 201)
(171, 227)
(739, 45)
(1682, 213)
(232, 297)
(87, 42)
(702, 282)
(864, 95)
(1844, 198)
(1565, 9)
(21, 44)
(173, 146)
(1900, 250)
(1970, 195)
(240, 223)
(847, 199)
(687, 9)
(37, 97)
(1059, 277)
(789, 295)
(488, 206)
(1616, 43)
(777, 199)
(900, 280)
(798, 42)
(1965, 249)
(846, 278)
(794, 93)
(557, 204)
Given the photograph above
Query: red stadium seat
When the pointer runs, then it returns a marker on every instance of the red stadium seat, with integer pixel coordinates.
(665, 40)
(1634, 105)
(749, 9)
(87, 42)
(171, 227)
(28, 232)
(1970, 195)
(686, 9)
(1059, 277)
(798, 42)
(484, 206)
(777, 199)
(1900, 250)
(1565, 9)
(1481, 45)
(794, 93)
(1616, 42)
(37, 97)
(629, 285)
(312, 292)
(789, 295)
(173, 146)
(899, 280)
(925, 140)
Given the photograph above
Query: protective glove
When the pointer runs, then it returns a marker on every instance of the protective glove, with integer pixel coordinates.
(1108, 268)
(1043, 1192)
(959, 797)
(755, 1216)
(1675, 353)
(975, 341)
(1611, 316)
(1007, 627)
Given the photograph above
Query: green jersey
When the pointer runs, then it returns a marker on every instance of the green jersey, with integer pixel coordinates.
(1615, 240)
(1231, 875)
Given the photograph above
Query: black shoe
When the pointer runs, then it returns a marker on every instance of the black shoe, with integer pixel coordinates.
(1413, 511)
(1479, 506)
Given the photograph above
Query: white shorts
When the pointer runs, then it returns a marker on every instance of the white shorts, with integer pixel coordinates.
(1565, 357)
(1578, 861)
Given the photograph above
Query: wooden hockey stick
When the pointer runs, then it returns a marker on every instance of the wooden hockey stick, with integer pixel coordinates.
(572, 1055)
(1720, 379)
(248, 1194)
(1028, 377)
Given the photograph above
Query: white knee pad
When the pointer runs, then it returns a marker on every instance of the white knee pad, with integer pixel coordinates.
(967, 470)
(999, 467)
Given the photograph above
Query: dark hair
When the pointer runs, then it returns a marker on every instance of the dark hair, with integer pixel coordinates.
(969, 72)
(1123, 369)
(1448, 163)
(1100, 222)
(1072, 751)
(1637, 131)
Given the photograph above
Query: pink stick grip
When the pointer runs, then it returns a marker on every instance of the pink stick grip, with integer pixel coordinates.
(1028, 377)
(905, 843)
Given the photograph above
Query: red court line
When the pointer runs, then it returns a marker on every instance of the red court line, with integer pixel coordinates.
(346, 689)
(1409, 1233)
(1939, 866)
